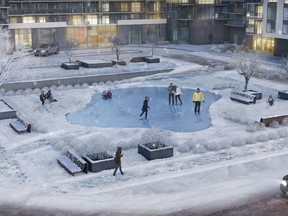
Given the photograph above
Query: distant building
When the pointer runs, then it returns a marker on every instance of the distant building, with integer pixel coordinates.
(259, 24)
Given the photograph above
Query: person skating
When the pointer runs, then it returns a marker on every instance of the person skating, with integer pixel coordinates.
(145, 107)
(178, 95)
(117, 160)
(171, 91)
(197, 99)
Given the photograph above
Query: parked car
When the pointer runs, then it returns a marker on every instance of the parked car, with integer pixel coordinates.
(46, 49)
(284, 185)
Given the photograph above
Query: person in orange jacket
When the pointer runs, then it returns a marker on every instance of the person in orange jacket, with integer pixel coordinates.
(197, 99)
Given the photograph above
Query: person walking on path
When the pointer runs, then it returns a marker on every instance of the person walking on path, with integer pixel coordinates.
(178, 94)
(117, 160)
(197, 99)
(171, 90)
(42, 97)
(145, 107)
(270, 100)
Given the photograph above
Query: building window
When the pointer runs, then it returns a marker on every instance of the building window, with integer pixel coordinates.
(270, 27)
(62, 5)
(271, 11)
(285, 29)
(76, 20)
(124, 7)
(28, 19)
(13, 7)
(42, 6)
(135, 7)
(157, 6)
(13, 20)
(91, 20)
(105, 7)
(285, 13)
(42, 19)
(105, 19)
(205, 1)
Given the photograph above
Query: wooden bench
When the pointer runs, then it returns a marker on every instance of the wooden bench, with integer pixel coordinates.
(20, 125)
(269, 120)
(72, 162)
(242, 97)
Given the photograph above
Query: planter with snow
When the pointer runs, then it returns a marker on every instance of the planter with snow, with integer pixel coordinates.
(152, 60)
(155, 150)
(120, 62)
(70, 66)
(283, 95)
(258, 95)
(99, 161)
(6, 111)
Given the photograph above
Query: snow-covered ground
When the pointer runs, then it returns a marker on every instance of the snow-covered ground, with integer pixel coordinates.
(228, 163)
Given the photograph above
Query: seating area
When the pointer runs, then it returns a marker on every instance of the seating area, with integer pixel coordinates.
(72, 162)
(20, 125)
(243, 97)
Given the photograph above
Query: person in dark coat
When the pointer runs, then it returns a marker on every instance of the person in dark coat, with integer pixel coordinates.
(42, 97)
(50, 97)
(117, 160)
(145, 107)
(171, 90)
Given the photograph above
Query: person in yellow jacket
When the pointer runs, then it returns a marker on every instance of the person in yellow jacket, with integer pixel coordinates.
(197, 99)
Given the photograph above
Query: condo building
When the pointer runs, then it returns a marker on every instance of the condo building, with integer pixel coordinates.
(260, 24)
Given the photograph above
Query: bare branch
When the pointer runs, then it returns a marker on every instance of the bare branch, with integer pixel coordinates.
(246, 64)
(68, 47)
(117, 42)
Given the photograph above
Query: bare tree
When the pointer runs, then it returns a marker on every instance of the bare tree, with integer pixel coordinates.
(8, 55)
(68, 47)
(154, 41)
(246, 64)
(117, 43)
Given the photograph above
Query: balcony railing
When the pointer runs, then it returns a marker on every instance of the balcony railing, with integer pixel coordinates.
(236, 23)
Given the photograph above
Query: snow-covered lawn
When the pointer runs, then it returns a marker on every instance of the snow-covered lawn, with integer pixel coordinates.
(211, 168)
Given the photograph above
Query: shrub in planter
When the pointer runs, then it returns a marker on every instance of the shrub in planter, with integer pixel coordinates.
(99, 161)
(155, 150)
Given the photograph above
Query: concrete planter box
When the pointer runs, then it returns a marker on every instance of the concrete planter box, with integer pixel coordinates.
(138, 59)
(97, 165)
(70, 66)
(152, 60)
(155, 152)
(283, 95)
(98, 63)
(6, 111)
(258, 95)
(120, 62)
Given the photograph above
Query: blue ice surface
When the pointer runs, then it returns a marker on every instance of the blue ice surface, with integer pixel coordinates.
(123, 110)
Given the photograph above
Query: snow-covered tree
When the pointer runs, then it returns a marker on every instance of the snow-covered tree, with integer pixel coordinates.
(68, 47)
(8, 56)
(154, 41)
(246, 64)
(117, 42)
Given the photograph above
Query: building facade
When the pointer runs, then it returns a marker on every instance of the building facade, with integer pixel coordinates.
(260, 24)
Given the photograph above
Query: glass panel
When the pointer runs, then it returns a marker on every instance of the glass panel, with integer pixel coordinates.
(124, 7)
(28, 19)
(23, 38)
(135, 7)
